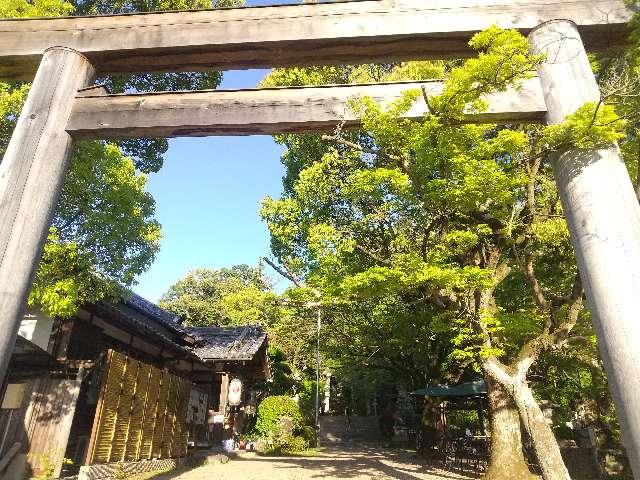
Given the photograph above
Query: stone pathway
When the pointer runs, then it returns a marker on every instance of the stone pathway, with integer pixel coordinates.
(335, 462)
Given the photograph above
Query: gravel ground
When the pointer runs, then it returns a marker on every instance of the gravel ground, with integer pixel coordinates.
(356, 463)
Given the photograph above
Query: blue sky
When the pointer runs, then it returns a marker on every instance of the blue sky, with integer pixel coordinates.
(207, 199)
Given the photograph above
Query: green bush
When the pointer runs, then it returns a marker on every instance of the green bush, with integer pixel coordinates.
(310, 435)
(295, 445)
(279, 444)
(307, 395)
(270, 412)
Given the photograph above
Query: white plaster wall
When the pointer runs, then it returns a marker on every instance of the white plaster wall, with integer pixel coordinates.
(36, 326)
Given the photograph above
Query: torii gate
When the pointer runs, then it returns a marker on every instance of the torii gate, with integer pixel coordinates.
(597, 195)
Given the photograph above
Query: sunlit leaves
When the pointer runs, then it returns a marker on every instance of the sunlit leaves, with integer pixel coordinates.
(239, 295)
(35, 8)
(504, 60)
(591, 126)
(296, 76)
(11, 100)
(551, 231)
(377, 183)
(67, 278)
(105, 232)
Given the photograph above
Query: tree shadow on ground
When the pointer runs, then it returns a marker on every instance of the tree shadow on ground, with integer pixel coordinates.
(363, 461)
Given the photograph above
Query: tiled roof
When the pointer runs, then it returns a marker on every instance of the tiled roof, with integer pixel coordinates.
(147, 308)
(211, 343)
(228, 343)
(150, 320)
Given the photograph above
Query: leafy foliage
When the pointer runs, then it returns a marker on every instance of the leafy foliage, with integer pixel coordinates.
(591, 126)
(272, 409)
(238, 295)
(35, 8)
(438, 248)
(282, 381)
(307, 399)
(104, 233)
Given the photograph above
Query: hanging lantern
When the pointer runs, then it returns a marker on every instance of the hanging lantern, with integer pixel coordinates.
(235, 392)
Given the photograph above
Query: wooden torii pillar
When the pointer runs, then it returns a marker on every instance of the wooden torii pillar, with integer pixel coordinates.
(603, 214)
(31, 176)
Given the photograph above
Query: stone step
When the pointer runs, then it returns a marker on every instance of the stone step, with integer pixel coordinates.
(334, 429)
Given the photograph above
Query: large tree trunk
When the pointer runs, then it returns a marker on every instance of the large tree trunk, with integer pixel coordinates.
(430, 414)
(432, 427)
(544, 441)
(507, 460)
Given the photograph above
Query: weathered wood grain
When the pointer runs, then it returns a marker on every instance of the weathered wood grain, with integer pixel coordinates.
(268, 111)
(307, 34)
(48, 422)
(31, 175)
(603, 215)
(6, 460)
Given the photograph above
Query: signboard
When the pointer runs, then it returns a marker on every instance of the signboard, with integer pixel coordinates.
(13, 396)
(235, 392)
(197, 411)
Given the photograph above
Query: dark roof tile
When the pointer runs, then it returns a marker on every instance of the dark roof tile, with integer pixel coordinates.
(160, 315)
(228, 343)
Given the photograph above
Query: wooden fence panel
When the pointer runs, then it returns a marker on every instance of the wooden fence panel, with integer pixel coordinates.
(181, 436)
(169, 418)
(148, 425)
(141, 413)
(177, 424)
(106, 413)
(161, 412)
(127, 391)
(138, 413)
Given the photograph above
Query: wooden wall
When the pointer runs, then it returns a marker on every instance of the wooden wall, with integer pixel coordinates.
(42, 423)
(48, 422)
(141, 413)
(12, 422)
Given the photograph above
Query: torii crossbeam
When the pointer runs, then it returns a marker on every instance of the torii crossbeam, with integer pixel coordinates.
(598, 198)
(313, 34)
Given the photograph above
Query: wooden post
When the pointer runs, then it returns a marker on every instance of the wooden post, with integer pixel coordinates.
(224, 394)
(604, 219)
(31, 175)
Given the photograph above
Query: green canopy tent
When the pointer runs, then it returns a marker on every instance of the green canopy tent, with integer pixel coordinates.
(475, 388)
(464, 396)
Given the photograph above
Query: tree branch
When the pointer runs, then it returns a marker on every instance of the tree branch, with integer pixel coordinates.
(549, 339)
(536, 289)
(372, 255)
(355, 146)
(531, 191)
(286, 273)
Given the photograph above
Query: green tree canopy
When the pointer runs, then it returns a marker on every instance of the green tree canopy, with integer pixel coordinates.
(462, 220)
(104, 233)
(239, 295)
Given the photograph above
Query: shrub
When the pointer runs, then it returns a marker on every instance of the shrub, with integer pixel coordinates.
(282, 443)
(295, 445)
(272, 410)
(310, 435)
(307, 395)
